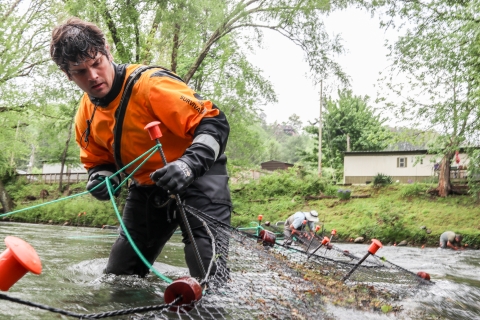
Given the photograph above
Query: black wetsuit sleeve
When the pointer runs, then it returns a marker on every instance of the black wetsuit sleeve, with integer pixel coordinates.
(201, 157)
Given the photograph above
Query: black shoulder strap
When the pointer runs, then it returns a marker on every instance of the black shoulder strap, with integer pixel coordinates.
(121, 110)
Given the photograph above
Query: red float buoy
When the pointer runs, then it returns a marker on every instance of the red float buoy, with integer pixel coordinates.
(325, 240)
(186, 287)
(268, 238)
(16, 261)
(423, 275)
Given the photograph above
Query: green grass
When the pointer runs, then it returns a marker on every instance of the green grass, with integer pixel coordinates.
(393, 213)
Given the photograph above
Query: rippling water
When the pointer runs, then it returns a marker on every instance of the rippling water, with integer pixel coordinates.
(72, 278)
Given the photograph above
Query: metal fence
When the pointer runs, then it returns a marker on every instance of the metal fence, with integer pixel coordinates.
(67, 178)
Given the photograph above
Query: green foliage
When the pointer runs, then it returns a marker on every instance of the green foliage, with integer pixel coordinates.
(412, 190)
(381, 180)
(386, 308)
(77, 211)
(388, 224)
(286, 141)
(81, 210)
(348, 115)
(276, 195)
(438, 58)
(283, 183)
(474, 173)
(330, 190)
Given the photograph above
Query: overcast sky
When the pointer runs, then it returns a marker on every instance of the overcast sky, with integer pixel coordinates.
(283, 63)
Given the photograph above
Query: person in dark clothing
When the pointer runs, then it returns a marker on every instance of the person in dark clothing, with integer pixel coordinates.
(119, 101)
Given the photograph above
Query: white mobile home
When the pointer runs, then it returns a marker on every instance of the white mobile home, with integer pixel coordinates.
(360, 167)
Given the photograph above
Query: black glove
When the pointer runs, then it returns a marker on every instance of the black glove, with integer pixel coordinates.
(101, 193)
(174, 177)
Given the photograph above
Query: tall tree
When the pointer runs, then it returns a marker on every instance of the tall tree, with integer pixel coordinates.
(438, 54)
(181, 33)
(349, 115)
(25, 27)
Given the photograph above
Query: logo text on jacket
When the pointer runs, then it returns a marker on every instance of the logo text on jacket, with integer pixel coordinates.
(193, 104)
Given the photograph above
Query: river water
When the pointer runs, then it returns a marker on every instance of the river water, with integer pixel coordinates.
(73, 259)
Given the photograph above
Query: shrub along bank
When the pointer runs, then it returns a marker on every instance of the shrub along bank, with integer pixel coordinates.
(391, 213)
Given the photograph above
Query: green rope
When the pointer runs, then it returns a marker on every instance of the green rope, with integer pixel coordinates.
(111, 192)
(132, 243)
(152, 150)
(44, 204)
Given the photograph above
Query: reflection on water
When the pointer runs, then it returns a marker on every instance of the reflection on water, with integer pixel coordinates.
(73, 260)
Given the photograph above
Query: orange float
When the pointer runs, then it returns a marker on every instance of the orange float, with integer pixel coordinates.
(374, 246)
(16, 261)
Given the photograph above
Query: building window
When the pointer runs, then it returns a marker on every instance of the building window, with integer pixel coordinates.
(417, 160)
(402, 162)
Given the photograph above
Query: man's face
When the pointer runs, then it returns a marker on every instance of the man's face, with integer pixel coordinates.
(94, 76)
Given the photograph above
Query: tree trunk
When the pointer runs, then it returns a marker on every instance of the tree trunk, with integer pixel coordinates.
(5, 199)
(176, 45)
(65, 151)
(444, 186)
(201, 56)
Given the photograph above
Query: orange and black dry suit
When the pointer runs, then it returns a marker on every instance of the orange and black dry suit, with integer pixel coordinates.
(193, 129)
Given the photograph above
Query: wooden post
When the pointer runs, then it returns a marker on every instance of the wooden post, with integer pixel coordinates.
(320, 133)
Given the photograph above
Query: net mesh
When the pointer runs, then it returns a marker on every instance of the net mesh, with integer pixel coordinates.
(263, 279)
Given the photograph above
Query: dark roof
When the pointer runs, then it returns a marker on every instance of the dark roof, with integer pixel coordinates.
(275, 161)
(400, 152)
(393, 152)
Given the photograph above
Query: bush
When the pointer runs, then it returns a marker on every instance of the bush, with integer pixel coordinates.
(330, 190)
(381, 180)
(283, 183)
(411, 190)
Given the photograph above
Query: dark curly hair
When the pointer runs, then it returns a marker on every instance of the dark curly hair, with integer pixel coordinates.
(76, 41)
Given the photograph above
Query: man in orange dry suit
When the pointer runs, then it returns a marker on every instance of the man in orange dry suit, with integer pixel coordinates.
(111, 134)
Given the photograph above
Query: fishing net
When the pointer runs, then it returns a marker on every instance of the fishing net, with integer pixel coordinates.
(258, 277)
(369, 267)
(250, 282)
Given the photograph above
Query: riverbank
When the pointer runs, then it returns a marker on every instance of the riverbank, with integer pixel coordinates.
(392, 214)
